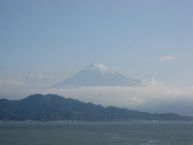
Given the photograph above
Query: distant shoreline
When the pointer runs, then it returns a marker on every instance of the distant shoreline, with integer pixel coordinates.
(93, 122)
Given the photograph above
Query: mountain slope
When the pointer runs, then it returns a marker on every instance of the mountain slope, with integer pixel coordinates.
(97, 75)
(53, 107)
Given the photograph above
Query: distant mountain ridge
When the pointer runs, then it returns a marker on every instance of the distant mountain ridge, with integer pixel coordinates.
(53, 108)
(97, 75)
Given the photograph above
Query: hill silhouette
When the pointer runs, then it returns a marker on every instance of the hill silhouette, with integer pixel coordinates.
(52, 107)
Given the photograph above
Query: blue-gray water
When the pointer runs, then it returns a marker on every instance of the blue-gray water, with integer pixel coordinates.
(96, 133)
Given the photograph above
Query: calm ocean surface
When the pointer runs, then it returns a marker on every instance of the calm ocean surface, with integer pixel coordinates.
(96, 133)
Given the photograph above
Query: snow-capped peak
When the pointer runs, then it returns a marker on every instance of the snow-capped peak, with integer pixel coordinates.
(97, 75)
(99, 67)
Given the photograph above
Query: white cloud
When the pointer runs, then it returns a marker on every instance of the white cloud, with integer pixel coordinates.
(10, 88)
(167, 58)
(39, 76)
(5, 83)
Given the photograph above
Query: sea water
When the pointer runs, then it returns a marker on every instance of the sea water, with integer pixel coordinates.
(96, 133)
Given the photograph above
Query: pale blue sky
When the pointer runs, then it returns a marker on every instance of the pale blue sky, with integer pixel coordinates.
(59, 37)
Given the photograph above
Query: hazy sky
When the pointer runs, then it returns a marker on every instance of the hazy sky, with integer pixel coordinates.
(45, 41)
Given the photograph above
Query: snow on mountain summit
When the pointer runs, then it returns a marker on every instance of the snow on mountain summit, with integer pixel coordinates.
(99, 67)
(97, 75)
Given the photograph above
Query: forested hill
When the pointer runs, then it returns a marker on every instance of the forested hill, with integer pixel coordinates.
(53, 107)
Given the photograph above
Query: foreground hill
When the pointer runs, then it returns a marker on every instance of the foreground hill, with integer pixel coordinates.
(53, 107)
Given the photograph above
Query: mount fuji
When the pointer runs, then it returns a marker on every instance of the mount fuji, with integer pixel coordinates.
(97, 75)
